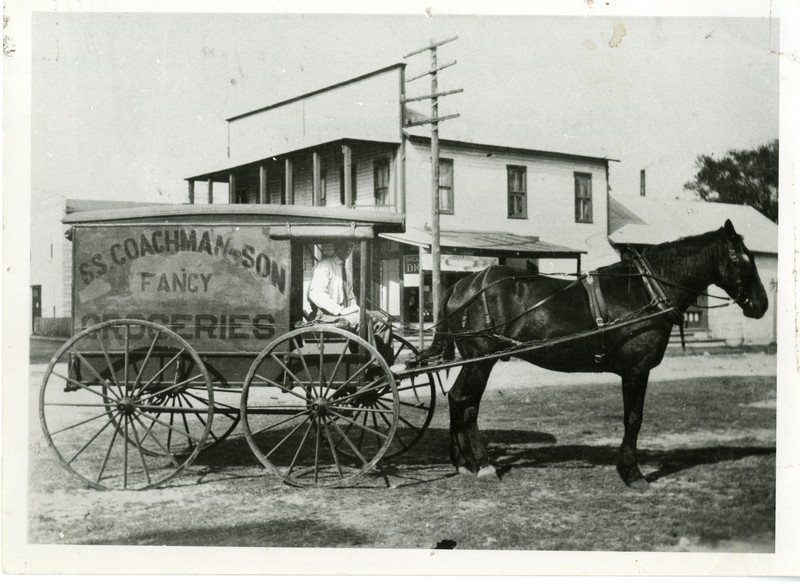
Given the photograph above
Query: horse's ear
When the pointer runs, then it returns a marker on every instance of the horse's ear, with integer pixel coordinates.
(730, 232)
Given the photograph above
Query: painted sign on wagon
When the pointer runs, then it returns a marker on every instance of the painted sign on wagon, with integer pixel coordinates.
(222, 288)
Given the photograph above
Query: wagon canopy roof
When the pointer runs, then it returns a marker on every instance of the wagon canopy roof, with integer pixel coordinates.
(250, 214)
(494, 243)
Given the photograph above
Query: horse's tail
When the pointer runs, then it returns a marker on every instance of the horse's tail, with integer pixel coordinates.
(443, 345)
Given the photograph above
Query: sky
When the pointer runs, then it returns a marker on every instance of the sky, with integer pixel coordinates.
(125, 106)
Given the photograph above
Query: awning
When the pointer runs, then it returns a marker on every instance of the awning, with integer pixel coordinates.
(485, 243)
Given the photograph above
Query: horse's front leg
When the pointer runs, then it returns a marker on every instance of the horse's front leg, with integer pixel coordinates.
(634, 387)
(467, 447)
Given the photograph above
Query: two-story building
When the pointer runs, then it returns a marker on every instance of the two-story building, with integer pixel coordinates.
(348, 145)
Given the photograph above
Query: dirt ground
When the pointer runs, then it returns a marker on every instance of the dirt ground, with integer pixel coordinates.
(707, 446)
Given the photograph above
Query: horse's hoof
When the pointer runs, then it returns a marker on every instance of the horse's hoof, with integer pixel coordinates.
(464, 471)
(639, 485)
(487, 471)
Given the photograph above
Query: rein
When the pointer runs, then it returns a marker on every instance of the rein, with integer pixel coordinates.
(652, 281)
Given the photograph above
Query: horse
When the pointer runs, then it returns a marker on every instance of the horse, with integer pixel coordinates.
(617, 319)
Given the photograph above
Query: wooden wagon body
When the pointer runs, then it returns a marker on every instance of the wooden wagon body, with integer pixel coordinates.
(185, 316)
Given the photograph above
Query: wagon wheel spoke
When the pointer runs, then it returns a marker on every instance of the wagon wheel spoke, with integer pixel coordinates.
(280, 422)
(288, 436)
(81, 423)
(284, 389)
(166, 451)
(141, 454)
(161, 371)
(184, 400)
(316, 451)
(287, 370)
(305, 445)
(99, 338)
(300, 447)
(143, 365)
(321, 345)
(221, 407)
(357, 373)
(170, 426)
(125, 445)
(125, 372)
(108, 454)
(338, 362)
(373, 386)
(408, 404)
(402, 419)
(95, 373)
(333, 448)
(170, 388)
(344, 437)
(363, 427)
(93, 386)
(90, 441)
(82, 385)
(299, 351)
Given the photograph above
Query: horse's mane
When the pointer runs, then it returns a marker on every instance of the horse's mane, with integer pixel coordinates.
(687, 255)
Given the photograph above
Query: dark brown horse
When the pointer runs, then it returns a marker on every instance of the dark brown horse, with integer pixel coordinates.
(502, 308)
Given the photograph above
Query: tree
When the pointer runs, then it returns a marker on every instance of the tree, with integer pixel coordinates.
(740, 177)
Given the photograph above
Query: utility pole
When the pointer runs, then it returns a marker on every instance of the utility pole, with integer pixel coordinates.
(435, 94)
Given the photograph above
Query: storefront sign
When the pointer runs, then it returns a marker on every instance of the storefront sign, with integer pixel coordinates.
(460, 263)
(411, 270)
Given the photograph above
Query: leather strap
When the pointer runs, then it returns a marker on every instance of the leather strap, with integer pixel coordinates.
(597, 304)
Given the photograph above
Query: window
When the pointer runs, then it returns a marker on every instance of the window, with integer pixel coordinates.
(446, 186)
(583, 197)
(517, 192)
(381, 182)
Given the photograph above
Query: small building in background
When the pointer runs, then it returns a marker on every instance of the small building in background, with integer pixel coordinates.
(641, 222)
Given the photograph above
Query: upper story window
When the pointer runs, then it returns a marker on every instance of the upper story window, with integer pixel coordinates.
(583, 197)
(517, 192)
(446, 186)
(381, 173)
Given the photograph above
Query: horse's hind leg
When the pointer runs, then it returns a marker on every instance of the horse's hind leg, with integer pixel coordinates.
(467, 448)
(634, 387)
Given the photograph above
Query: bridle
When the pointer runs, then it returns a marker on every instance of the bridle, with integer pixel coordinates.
(737, 259)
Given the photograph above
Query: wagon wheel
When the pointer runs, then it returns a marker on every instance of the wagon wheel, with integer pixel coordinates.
(226, 411)
(126, 404)
(417, 399)
(313, 393)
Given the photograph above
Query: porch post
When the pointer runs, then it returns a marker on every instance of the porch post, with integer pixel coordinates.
(262, 184)
(362, 288)
(316, 185)
(231, 188)
(289, 180)
(421, 303)
(347, 153)
(191, 191)
(210, 191)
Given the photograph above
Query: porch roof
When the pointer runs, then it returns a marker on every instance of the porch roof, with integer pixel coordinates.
(487, 243)
(221, 171)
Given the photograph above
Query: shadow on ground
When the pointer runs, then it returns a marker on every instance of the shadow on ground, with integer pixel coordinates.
(514, 449)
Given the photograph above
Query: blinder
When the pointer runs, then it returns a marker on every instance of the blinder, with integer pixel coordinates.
(737, 259)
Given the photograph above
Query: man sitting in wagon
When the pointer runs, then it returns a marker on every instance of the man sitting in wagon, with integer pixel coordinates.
(331, 292)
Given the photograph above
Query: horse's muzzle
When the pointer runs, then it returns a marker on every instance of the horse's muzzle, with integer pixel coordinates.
(752, 310)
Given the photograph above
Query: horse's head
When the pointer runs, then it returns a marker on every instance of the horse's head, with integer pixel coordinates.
(739, 275)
